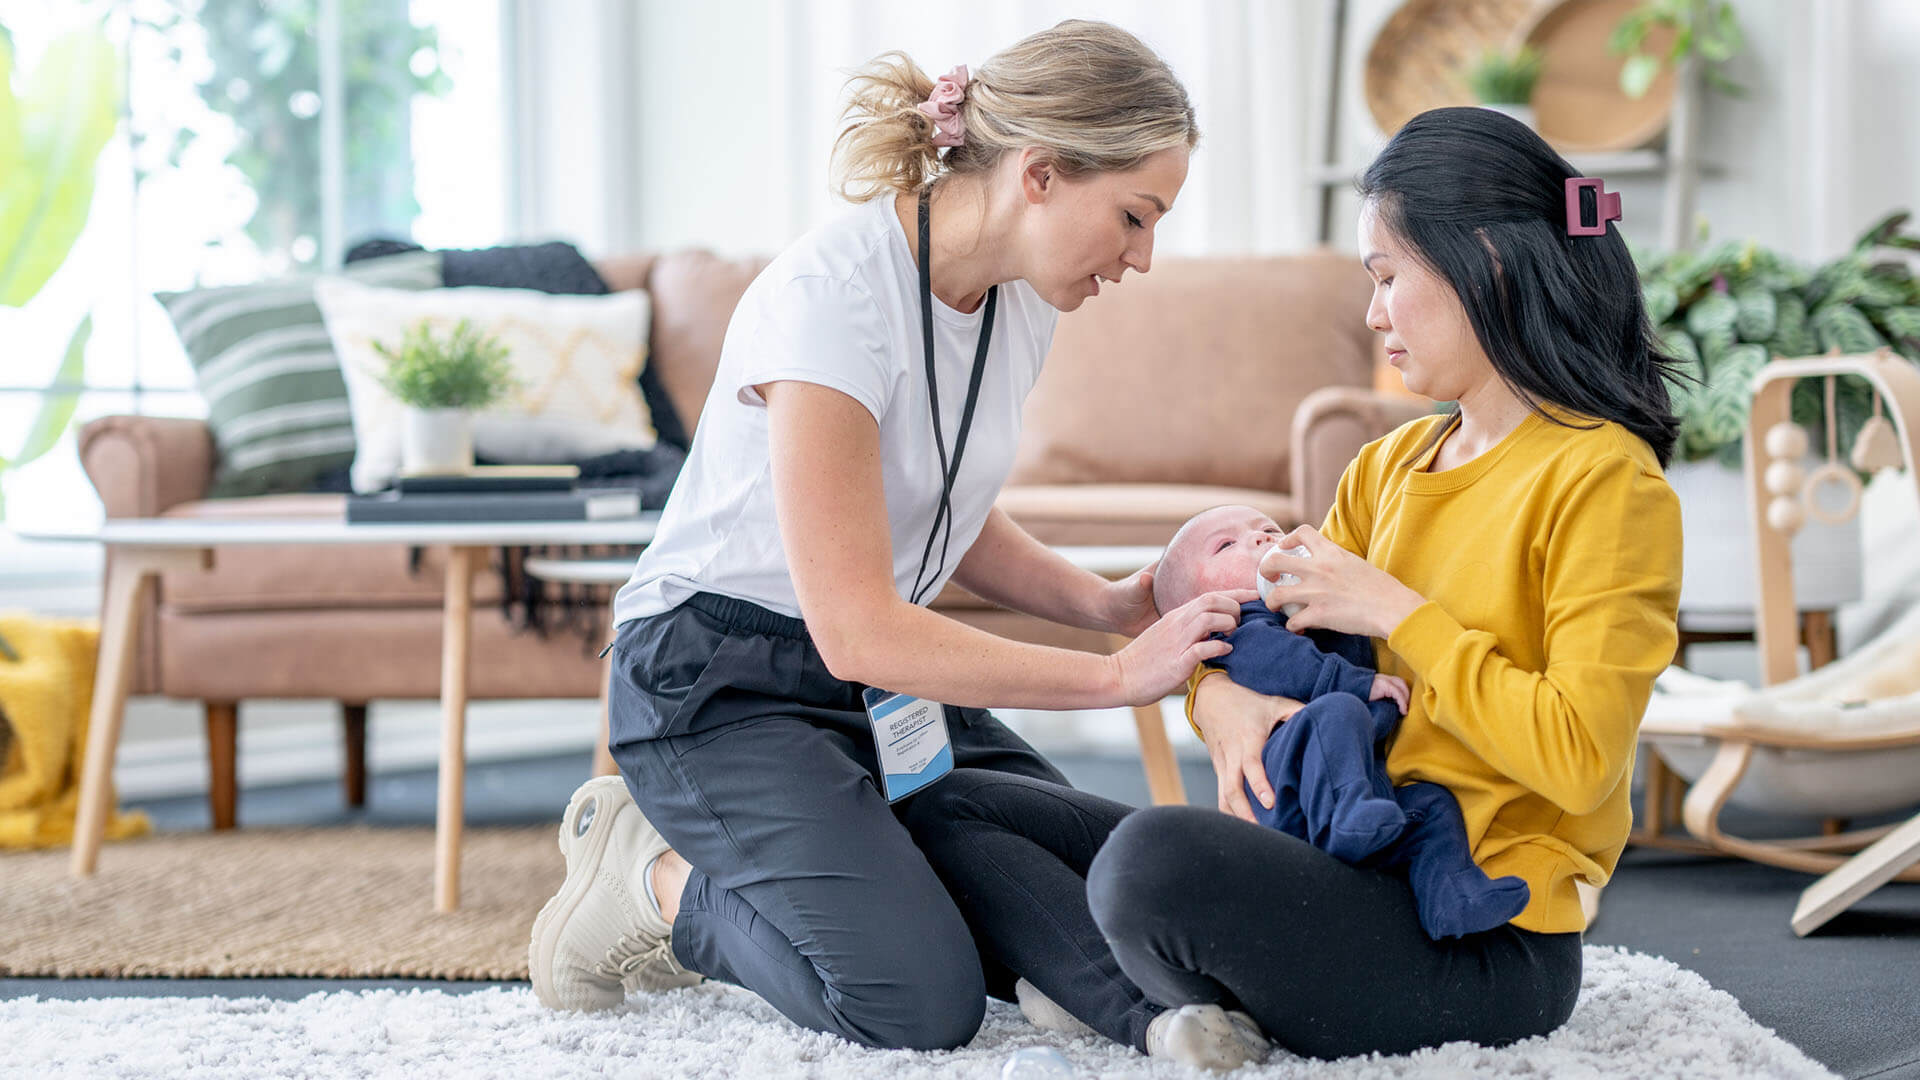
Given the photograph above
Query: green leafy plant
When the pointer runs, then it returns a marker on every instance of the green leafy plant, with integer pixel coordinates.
(1731, 308)
(463, 370)
(257, 65)
(1703, 27)
(51, 135)
(1501, 78)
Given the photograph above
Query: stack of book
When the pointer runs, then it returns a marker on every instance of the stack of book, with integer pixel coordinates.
(495, 493)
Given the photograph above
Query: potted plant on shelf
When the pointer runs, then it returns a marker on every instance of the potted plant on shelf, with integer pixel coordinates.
(1704, 32)
(1728, 310)
(443, 381)
(1503, 81)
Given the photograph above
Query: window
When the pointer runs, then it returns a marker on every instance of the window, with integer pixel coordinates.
(229, 166)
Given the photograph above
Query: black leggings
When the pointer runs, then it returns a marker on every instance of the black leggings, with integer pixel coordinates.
(1330, 959)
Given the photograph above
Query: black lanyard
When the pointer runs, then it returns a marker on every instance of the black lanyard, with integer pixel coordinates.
(948, 472)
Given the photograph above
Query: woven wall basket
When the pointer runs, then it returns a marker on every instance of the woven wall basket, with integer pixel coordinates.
(1418, 59)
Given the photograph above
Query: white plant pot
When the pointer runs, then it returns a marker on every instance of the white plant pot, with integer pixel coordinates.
(1522, 113)
(437, 441)
(1718, 559)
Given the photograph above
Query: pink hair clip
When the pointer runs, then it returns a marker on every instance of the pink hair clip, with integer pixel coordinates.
(1606, 206)
(944, 106)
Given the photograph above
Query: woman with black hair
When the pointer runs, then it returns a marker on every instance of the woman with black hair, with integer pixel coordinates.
(1517, 559)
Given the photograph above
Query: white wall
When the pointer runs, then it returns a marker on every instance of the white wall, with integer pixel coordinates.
(739, 102)
(709, 124)
(1813, 153)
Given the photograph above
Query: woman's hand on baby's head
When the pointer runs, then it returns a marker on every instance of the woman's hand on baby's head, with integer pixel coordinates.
(1159, 661)
(1390, 686)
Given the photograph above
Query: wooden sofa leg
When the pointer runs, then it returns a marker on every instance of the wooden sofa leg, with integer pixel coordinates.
(354, 723)
(223, 739)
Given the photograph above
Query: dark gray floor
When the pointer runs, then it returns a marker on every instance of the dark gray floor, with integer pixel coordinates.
(1849, 995)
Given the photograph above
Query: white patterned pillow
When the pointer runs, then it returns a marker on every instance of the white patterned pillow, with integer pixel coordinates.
(577, 360)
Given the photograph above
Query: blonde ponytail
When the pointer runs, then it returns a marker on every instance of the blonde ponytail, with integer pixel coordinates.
(1089, 94)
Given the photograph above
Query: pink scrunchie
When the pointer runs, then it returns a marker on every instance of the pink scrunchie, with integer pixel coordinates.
(944, 106)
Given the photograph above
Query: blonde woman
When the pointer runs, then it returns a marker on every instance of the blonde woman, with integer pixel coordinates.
(863, 417)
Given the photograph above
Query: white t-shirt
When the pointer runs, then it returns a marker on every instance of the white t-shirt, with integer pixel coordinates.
(841, 308)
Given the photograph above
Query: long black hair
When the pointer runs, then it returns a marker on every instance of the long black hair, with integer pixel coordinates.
(1480, 199)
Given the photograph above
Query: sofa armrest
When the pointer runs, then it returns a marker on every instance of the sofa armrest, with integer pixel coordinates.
(142, 465)
(1329, 428)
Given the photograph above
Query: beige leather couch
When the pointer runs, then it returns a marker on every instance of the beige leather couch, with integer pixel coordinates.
(1208, 381)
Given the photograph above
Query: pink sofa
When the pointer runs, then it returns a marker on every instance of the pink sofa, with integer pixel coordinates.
(1210, 380)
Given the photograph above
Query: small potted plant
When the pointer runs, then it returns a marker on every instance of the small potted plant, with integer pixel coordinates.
(1504, 81)
(443, 381)
(1704, 32)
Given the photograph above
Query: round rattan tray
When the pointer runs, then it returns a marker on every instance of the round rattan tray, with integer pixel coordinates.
(1416, 60)
(1578, 104)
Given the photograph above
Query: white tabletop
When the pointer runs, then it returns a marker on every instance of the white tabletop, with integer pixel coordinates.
(222, 532)
(1106, 561)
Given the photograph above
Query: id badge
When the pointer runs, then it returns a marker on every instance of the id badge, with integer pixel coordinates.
(910, 737)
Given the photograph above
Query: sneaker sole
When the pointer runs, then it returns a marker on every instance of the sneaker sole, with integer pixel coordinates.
(554, 915)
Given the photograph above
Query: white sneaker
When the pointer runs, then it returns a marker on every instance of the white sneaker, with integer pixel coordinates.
(600, 936)
(1206, 1037)
(1046, 1014)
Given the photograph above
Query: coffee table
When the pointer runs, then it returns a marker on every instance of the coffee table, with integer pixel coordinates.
(141, 548)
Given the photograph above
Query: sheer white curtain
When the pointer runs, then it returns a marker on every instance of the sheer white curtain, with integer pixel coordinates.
(738, 103)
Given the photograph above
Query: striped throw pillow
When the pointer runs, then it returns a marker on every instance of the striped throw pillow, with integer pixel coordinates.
(276, 401)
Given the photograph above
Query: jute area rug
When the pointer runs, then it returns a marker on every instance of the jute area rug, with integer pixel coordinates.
(1638, 1016)
(353, 902)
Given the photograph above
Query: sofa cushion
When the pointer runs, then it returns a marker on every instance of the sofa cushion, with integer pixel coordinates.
(297, 577)
(1101, 514)
(694, 294)
(1114, 404)
(575, 362)
(276, 403)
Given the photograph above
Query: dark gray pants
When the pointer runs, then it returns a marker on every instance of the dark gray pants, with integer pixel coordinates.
(757, 765)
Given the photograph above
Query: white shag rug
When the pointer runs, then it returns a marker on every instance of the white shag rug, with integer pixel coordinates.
(1638, 1016)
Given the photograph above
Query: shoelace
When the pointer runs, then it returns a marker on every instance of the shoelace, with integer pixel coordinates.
(629, 954)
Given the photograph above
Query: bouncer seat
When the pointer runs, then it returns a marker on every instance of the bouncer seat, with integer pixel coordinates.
(1840, 742)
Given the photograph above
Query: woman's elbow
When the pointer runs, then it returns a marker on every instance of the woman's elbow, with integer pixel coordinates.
(845, 638)
(1584, 791)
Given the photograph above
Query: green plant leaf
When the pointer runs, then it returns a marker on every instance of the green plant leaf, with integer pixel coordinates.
(1758, 312)
(1901, 322)
(1718, 413)
(1712, 314)
(66, 117)
(1791, 335)
(1637, 75)
(56, 407)
(1842, 326)
(1662, 300)
(9, 113)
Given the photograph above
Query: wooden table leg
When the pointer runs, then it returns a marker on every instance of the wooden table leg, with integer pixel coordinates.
(1156, 755)
(127, 570)
(455, 633)
(1164, 785)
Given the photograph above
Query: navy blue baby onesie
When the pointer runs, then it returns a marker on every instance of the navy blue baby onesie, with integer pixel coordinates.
(1327, 765)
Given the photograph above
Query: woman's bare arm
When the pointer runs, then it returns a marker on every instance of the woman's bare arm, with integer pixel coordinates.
(830, 501)
(1008, 567)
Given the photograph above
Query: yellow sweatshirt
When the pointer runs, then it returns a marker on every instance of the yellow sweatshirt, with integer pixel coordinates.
(1550, 565)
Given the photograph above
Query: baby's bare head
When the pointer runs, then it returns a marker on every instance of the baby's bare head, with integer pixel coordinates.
(1216, 550)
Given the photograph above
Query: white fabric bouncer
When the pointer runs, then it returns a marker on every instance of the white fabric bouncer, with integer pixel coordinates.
(1872, 694)
(1840, 742)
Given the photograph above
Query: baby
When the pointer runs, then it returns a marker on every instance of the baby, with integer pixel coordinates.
(1327, 762)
